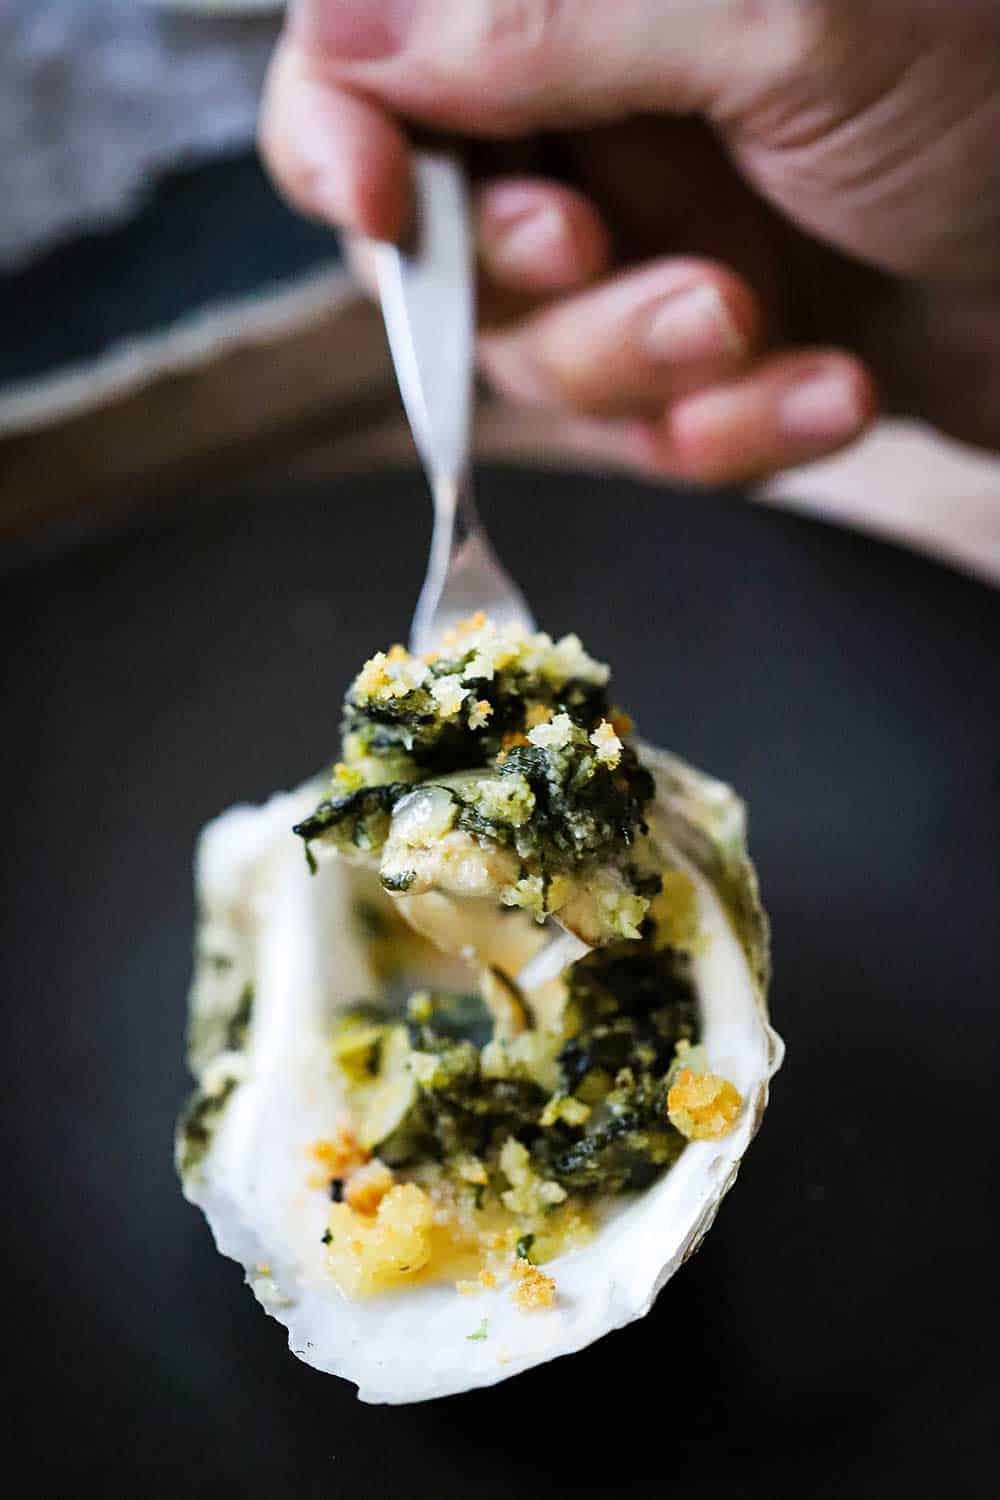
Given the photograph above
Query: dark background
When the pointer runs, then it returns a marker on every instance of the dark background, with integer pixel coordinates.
(838, 1333)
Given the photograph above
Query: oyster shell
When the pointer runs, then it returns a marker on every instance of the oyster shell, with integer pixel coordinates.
(278, 950)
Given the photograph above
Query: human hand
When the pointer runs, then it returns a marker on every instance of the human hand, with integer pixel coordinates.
(716, 226)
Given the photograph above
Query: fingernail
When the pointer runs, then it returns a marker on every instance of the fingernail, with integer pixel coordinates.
(692, 324)
(360, 30)
(821, 408)
(518, 244)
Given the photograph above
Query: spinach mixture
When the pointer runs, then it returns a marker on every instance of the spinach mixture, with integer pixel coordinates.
(588, 1102)
(519, 757)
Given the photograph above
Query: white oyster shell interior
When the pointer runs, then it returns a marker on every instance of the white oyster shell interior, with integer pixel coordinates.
(292, 936)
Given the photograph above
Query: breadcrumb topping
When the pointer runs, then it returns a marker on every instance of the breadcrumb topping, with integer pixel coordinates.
(607, 744)
(460, 632)
(389, 675)
(534, 1289)
(528, 893)
(471, 1169)
(703, 1106)
(368, 1185)
(485, 1281)
(369, 1252)
(494, 649)
(510, 800)
(347, 779)
(449, 694)
(564, 1107)
(622, 910)
(340, 1153)
(554, 735)
(528, 1193)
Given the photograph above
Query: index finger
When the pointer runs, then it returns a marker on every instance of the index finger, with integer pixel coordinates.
(334, 155)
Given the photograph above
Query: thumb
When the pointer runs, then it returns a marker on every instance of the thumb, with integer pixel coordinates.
(503, 67)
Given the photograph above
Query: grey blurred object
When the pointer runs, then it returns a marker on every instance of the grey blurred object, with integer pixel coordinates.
(218, 7)
(97, 99)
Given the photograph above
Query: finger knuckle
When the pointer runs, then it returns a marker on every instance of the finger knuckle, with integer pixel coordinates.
(522, 30)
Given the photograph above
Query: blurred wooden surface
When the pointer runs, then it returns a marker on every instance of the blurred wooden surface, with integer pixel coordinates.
(297, 384)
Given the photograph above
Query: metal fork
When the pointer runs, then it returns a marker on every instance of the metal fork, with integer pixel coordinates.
(427, 291)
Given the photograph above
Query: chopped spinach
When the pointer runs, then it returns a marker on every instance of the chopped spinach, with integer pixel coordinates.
(238, 1025)
(628, 1006)
(436, 1018)
(410, 728)
(582, 809)
(626, 1142)
(198, 1124)
(565, 806)
(459, 1111)
(360, 818)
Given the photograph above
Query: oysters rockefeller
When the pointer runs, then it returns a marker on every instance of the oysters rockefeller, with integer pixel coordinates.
(475, 1073)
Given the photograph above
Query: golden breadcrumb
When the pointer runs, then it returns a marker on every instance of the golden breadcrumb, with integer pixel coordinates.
(368, 1253)
(537, 714)
(607, 744)
(703, 1106)
(449, 694)
(534, 1289)
(386, 676)
(480, 711)
(471, 1288)
(339, 1154)
(372, 678)
(553, 734)
(347, 778)
(470, 1169)
(465, 627)
(368, 1185)
(564, 1107)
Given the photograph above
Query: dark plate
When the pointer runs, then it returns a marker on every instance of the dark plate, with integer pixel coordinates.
(838, 1333)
